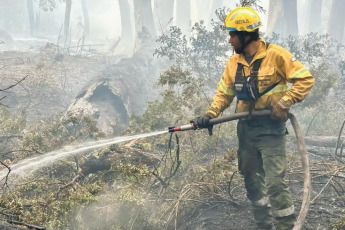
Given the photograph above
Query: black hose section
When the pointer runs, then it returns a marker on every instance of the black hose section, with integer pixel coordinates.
(243, 115)
(301, 148)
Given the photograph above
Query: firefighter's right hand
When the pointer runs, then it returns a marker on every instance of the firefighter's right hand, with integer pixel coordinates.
(202, 122)
(280, 111)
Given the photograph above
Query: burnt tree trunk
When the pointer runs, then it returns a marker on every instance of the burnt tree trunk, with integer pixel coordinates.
(144, 23)
(121, 90)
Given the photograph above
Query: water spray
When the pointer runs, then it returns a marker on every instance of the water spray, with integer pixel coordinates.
(32, 164)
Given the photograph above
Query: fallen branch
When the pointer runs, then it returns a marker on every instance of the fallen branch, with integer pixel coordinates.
(30, 226)
(323, 188)
(11, 86)
(6, 177)
(338, 142)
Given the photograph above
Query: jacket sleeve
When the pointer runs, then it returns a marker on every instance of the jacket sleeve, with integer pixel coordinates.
(225, 94)
(297, 74)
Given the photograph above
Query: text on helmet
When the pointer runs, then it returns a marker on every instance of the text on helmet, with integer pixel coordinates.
(242, 21)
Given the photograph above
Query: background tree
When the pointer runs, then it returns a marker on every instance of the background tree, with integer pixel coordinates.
(335, 26)
(215, 5)
(314, 8)
(203, 11)
(290, 17)
(282, 18)
(126, 25)
(14, 18)
(86, 25)
(143, 20)
(31, 13)
(274, 21)
(66, 24)
(163, 13)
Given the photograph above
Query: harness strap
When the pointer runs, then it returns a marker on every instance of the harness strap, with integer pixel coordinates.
(240, 79)
(269, 88)
(255, 70)
(239, 70)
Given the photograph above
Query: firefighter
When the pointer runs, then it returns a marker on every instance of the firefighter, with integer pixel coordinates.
(258, 75)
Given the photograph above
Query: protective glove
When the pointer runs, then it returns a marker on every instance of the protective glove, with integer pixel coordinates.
(280, 111)
(203, 122)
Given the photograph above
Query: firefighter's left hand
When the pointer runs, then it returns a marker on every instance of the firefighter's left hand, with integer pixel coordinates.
(203, 122)
(280, 111)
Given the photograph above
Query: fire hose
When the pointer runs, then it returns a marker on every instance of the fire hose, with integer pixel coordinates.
(301, 149)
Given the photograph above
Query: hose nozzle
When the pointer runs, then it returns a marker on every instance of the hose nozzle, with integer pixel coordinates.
(171, 129)
(181, 128)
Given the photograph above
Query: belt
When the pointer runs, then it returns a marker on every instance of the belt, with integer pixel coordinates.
(260, 121)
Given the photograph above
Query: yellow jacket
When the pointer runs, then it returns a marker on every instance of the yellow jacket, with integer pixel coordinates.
(278, 64)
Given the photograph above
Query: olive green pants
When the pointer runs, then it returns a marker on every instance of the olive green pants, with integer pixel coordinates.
(262, 162)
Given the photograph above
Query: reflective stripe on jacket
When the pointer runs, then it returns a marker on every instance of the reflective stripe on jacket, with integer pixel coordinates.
(278, 64)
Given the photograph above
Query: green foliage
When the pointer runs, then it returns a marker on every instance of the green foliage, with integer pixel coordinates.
(339, 224)
(204, 54)
(10, 124)
(325, 80)
(50, 135)
(11, 127)
(50, 198)
(132, 172)
(182, 98)
(175, 76)
(47, 205)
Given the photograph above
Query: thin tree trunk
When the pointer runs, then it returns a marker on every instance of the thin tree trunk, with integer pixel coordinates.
(290, 18)
(275, 20)
(163, 14)
(282, 18)
(203, 11)
(215, 5)
(314, 8)
(336, 19)
(144, 23)
(86, 19)
(30, 6)
(67, 20)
